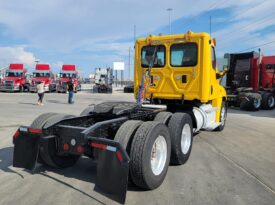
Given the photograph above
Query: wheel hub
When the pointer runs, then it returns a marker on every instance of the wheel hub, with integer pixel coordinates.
(257, 103)
(223, 116)
(158, 155)
(185, 138)
(271, 101)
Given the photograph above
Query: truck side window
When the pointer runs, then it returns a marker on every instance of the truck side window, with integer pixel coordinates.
(214, 61)
(270, 66)
(184, 55)
(153, 53)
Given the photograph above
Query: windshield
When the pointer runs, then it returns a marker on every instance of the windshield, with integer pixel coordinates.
(147, 56)
(14, 74)
(41, 75)
(67, 75)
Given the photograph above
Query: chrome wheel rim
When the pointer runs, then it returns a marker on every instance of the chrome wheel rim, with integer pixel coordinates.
(257, 102)
(185, 138)
(158, 155)
(271, 101)
(223, 116)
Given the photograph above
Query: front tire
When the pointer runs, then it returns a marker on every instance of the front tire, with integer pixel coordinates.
(223, 116)
(150, 154)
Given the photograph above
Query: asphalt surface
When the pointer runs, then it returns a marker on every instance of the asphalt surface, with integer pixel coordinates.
(236, 166)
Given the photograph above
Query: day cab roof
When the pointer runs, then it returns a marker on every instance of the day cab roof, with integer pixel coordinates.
(42, 67)
(16, 66)
(189, 36)
(68, 67)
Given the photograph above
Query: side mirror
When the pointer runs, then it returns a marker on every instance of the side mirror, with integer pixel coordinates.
(225, 69)
(219, 75)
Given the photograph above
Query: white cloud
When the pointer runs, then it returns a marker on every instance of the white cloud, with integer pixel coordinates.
(65, 24)
(16, 55)
(247, 30)
(94, 26)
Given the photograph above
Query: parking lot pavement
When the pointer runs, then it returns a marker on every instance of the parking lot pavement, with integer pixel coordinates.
(235, 166)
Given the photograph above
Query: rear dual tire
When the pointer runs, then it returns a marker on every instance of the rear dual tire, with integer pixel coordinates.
(181, 132)
(148, 145)
(153, 145)
(150, 154)
(251, 102)
(268, 101)
(48, 149)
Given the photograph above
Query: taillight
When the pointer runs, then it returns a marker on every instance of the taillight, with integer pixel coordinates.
(16, 134)
(66, 147)
(36, 131)
(79, 149)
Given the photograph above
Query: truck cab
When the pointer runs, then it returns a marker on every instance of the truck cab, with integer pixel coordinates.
(182, 70)
(15, 79)
(103, 80)
(251, 80)
(67, 72)
(178, 93)
(43, 74)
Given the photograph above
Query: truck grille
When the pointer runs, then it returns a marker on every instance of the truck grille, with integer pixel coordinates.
(64, 84)
(8, 84)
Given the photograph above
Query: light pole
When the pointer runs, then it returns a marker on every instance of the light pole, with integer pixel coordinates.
(170, 10)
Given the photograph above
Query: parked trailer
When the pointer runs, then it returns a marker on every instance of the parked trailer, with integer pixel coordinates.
(137, 140)
(251, 81)
(16, 79)
(43, 74)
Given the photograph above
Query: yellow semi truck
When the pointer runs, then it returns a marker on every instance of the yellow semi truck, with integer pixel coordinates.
(178, 93)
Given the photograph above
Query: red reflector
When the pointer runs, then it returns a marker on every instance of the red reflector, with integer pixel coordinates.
(79, 149)
(100, 146)
(37, 131)
(119, 156)
(16, 134)
(66, 147)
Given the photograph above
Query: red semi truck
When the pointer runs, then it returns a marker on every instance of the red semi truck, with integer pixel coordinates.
(16, 79)
(251, 81)
(43, 74)
(67, 72)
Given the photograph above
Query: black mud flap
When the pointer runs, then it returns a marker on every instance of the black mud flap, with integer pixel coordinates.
(112, 169)
(26, 148)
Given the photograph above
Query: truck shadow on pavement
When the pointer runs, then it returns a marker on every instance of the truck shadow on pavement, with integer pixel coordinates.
(56, 102)
(6, 160)
(259, 113)
(84, 170)
(25, 103)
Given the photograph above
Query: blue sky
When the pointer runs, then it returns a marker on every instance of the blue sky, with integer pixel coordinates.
(95, 33)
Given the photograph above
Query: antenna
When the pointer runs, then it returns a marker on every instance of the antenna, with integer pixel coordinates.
(134, 33)
(170, 27)
(210, 25)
